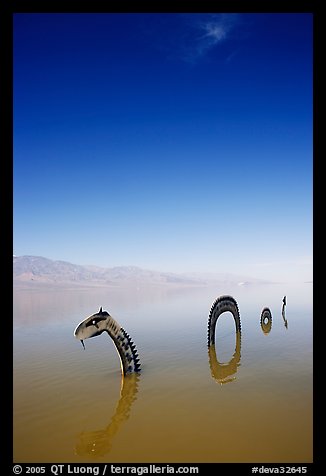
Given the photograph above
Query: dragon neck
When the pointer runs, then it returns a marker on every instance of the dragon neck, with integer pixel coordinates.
(125, 347)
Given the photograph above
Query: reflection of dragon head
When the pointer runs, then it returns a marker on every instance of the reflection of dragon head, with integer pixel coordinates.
(266, 320)
(94, 325)
(98, 443)
(221, 371)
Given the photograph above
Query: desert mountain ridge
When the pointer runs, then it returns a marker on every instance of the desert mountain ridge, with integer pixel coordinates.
(38, 270)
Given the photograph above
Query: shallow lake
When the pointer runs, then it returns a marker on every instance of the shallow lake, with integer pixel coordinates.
(247, 400)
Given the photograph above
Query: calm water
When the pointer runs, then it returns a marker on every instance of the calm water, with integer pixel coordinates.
(247, 400)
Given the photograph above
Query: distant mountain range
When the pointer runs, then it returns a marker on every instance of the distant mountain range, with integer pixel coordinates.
(37, 270)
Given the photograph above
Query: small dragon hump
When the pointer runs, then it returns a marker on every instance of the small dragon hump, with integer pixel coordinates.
(266, 320)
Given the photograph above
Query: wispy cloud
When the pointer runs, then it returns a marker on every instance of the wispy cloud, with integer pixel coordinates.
(190, 37)
(217, 28)
(208, 32)
(216, 32)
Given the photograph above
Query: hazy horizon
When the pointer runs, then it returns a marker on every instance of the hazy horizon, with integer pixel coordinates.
(204, 274)
(172, 142)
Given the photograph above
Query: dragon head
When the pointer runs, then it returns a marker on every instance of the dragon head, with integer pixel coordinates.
(92, 326)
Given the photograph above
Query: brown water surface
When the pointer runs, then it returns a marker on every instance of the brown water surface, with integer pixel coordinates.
(247, 399)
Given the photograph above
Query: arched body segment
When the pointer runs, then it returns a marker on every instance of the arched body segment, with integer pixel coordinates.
(220, 305)
(223, 372)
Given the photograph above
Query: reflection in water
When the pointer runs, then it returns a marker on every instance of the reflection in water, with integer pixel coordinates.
(266, 320)
(98, 443)
(221, 372)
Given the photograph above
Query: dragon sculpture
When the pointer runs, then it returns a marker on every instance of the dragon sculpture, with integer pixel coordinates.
(98, 443)
(100, 322)
(223, 372)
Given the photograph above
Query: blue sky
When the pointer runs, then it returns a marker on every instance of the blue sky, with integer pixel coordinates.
(175, 142)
